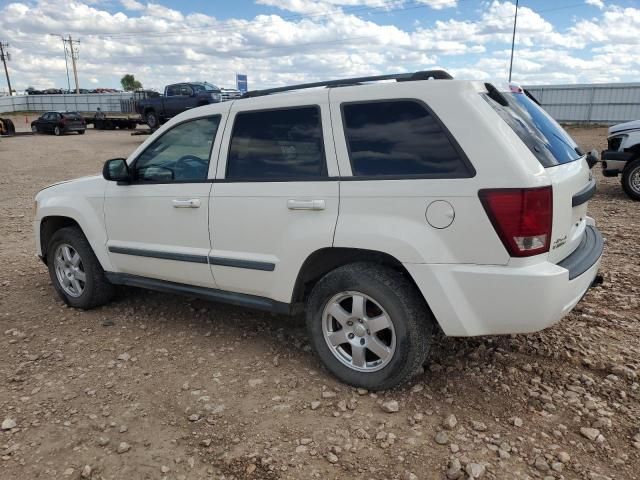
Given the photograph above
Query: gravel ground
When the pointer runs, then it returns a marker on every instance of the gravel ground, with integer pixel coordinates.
(161, 386)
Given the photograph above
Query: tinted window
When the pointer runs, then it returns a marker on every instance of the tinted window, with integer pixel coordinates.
(173, 90)
(399, 138)
(277, 144)
(541, 134)
(180, 154)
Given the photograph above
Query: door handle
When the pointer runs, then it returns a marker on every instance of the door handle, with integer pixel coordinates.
(191, 203)
(305, 204)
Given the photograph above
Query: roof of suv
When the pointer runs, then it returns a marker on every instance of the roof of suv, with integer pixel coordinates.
(342, 82)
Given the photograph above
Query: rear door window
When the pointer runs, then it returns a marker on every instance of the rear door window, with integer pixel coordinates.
(546, 139)
(400, 139)
(271, 145)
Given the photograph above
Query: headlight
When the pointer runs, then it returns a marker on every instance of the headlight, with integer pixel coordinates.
(216, 96)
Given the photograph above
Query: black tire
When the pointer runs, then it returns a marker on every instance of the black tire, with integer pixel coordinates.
(397, 295)
(151, 119)
(631, 179)
(97, 289)
(80, 132)
(57, 131)
(9, 126)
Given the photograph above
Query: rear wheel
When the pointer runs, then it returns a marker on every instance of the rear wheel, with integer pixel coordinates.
(57, 131)
(151, 119)
(80, 132)
(631, 179)
(369, 325)
(75, 272)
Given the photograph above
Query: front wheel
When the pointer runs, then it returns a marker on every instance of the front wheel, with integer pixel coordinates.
(631, 179)
(75, 272)
(369, 325)
(57, 131)
(80, 132)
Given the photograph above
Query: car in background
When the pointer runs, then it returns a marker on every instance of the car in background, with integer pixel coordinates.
(230, 94)
(59, 123)
(177, 98)
(622, 156)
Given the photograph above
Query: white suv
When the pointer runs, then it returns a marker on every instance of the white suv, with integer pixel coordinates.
(383, 209)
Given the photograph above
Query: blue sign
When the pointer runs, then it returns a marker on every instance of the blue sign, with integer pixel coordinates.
(241, 82)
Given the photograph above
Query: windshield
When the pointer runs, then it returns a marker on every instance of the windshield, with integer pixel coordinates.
(207, 87)
(546, 139)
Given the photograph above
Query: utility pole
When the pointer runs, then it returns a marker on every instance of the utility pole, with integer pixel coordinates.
(4, 55)
(73, 51)
(513, 40)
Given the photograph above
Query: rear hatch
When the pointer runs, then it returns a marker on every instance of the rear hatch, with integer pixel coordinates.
(563, 160)
(73, 120)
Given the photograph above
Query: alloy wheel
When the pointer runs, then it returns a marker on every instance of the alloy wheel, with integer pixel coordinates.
(358, 331)
(69, 270)
(634, 180)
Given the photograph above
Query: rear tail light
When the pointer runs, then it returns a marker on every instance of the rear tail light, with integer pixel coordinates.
(521, 217)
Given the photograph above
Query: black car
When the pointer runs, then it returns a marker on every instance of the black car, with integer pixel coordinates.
(59, 123)
(176, 99)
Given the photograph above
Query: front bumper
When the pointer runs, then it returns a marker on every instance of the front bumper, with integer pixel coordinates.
(614, 161)
(469, 300)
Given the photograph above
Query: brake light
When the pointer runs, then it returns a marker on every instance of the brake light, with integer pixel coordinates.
(521, 217)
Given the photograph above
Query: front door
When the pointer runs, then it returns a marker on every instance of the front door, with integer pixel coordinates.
(158, 226)
(275, 200)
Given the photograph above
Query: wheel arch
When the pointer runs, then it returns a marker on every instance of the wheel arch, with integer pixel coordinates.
(324, 260)
(52, 221)
(50, 225)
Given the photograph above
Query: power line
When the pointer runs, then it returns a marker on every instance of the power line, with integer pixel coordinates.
(513, 40)
(5, 58)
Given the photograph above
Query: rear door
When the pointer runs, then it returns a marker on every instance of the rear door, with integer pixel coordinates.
(275, 199)
(50, 120)
(172, 101)
(564, 162)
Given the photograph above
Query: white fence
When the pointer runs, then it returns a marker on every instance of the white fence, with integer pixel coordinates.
(607, 103)
(107, 102)
(595, 103)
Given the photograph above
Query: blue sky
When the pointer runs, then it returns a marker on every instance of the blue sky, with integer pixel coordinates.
(277, 42)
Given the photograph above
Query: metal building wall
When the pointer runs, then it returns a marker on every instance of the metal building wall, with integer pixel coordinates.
(107, 102)
(607, 103)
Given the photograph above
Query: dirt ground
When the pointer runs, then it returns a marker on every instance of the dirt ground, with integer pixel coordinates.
(161, 386)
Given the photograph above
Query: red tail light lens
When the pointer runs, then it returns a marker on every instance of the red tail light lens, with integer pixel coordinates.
(521, 217)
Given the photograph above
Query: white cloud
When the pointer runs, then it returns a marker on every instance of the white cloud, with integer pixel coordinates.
(596, 3)
(132, 5)
(161, 45)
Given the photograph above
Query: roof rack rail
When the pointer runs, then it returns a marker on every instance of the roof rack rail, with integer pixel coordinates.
(343, 82)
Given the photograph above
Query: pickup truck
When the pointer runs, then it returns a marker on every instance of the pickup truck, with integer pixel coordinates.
(176, 99)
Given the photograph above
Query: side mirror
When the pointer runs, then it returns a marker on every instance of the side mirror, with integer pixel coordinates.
(592, 158)
(116, 170)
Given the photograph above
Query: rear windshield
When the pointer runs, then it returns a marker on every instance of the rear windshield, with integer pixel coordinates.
(547, 140)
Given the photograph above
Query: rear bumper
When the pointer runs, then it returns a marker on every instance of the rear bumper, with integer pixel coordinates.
(470, 300)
